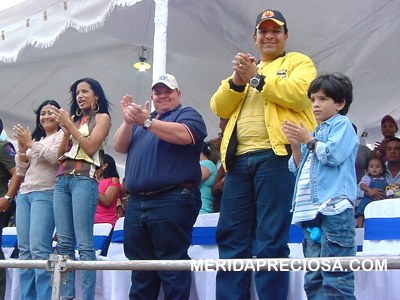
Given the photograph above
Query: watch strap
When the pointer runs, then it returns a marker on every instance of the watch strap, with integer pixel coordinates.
(261, 84)
(311, 144)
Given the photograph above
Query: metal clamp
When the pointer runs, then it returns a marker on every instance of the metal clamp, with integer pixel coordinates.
(57, 265)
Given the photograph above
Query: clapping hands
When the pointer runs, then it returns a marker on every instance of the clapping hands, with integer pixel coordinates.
(23, 136)
(296, 134)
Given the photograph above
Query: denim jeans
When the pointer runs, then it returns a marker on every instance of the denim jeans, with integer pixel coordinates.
(75, 201)
(4, 220)
(35, 228)
(254, 221)
(161, 228)
(337, 239)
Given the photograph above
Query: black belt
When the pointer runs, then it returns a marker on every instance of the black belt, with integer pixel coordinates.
(152, 194)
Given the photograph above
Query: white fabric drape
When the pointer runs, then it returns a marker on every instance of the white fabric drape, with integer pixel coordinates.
(20, 27)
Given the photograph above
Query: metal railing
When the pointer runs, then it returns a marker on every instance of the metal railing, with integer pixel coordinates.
(58, 265)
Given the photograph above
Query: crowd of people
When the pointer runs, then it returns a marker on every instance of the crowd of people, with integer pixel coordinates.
(287, 153)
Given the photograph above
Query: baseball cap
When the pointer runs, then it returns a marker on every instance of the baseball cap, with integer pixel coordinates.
(271, 14)
(388, 118)
(168, 80)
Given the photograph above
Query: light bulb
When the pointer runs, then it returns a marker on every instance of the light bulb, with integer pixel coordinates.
(142, 66)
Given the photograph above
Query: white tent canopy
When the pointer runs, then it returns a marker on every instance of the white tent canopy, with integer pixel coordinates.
(102, 39)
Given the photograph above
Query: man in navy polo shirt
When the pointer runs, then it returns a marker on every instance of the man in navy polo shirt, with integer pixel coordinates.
(162, 176)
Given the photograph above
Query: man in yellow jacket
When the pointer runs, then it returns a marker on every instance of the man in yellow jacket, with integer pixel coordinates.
(255, 208)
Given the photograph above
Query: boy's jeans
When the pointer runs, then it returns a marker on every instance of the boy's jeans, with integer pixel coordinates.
(337, 240)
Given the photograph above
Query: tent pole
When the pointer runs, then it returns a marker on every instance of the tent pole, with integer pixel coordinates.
(160, 37)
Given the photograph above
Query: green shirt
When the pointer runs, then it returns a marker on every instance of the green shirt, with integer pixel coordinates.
(7, 161)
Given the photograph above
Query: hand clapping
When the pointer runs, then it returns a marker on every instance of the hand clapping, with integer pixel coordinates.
(296, 134)
(134, 113)
(245, 68)
(24, 137)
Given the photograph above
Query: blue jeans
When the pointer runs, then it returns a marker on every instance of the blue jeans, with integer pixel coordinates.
(75, 201)
(35, 228)
(5, 218)
(337, 239)
(254, 221)
(161, 229)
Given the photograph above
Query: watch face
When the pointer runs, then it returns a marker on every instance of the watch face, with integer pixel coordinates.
(254, 82)
(147, 123)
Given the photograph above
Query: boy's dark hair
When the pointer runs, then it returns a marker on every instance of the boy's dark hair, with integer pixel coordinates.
(336, 86)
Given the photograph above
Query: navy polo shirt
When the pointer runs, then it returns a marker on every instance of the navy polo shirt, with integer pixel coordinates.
(153, 163)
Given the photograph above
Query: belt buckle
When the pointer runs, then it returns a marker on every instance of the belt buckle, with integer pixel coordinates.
(142, 194)
(151, 194)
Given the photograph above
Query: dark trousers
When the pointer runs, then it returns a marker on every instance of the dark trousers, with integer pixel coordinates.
(161, 229)
(254, 221)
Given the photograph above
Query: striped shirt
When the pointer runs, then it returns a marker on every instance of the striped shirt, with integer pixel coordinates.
(304, 209)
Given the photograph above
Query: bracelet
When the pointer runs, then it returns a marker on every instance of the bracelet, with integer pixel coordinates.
(122, 206)
(9, 199)
(22, 153)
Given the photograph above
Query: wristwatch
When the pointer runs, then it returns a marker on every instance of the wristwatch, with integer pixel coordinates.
(148, 122)
(9, 199)
(255, 81)
(311, 144)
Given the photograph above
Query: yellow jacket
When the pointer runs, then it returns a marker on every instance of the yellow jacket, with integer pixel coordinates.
(285, 92)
